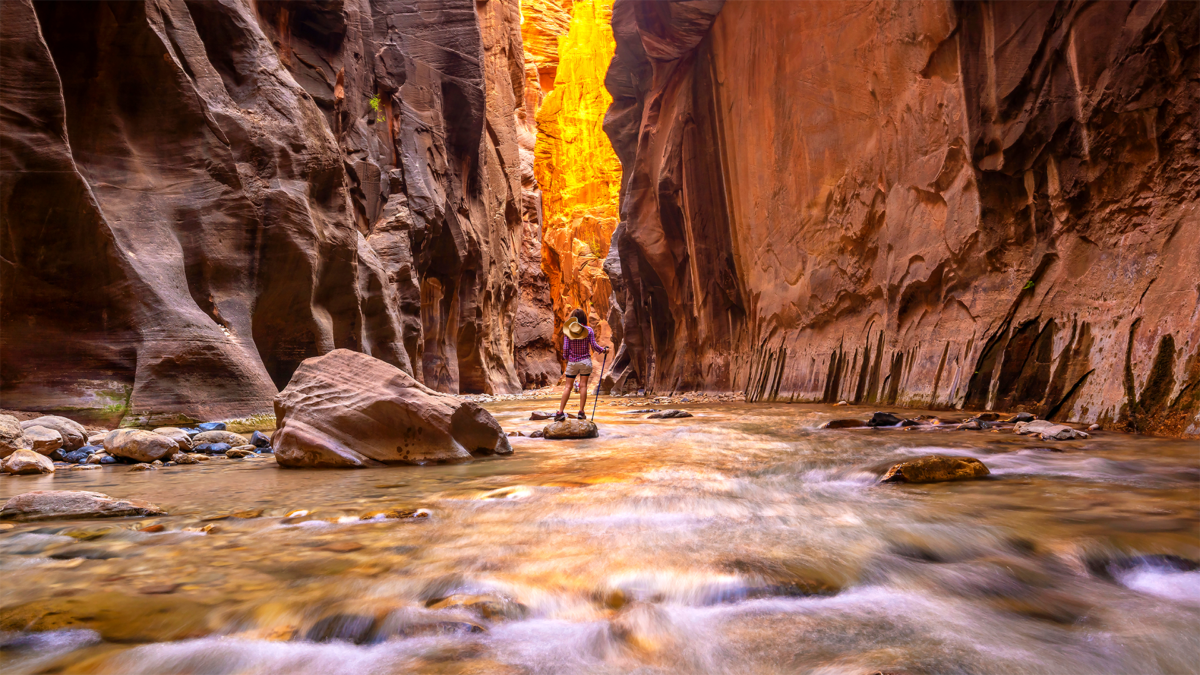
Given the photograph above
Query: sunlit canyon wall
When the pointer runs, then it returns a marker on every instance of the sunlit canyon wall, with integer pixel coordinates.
(568, 47)
(986, 205)
(198, 195)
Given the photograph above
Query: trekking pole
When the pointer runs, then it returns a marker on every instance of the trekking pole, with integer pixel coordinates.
(599, 381)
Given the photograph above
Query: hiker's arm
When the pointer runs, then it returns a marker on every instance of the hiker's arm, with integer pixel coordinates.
(595, 345)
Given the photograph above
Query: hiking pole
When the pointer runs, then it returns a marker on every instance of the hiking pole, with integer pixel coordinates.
(599, 381)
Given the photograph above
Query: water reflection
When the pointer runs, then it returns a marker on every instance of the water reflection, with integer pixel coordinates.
(740, 540)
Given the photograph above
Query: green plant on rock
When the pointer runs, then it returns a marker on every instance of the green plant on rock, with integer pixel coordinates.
(375, 106)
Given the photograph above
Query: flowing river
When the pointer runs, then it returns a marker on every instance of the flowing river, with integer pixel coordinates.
(740, 540)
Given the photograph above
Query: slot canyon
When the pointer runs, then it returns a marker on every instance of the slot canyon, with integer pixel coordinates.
(891, 362)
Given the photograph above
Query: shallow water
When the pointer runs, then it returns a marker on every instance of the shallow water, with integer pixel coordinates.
(741, 540)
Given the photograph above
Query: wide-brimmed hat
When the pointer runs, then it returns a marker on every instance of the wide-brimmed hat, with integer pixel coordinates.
(575, 331)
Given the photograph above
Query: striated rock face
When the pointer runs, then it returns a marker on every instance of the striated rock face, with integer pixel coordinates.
(197, 196)
(575, 167)
(989, 205)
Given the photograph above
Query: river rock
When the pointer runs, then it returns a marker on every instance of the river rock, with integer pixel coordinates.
(972, 425)
(43, 440)
(73, 434)
(184, 458)
(260, 440)
(987, 416)
(63, 504)
(935, 469)
(98, 438)
(1021, 417)
(178, 435)
(26, 462)
(81, 455)
(883, 419)
(211, 426)
(229, 437)
(571, 428)
(669, 415)
(1048, 431)
(212, 448)
(541, 415)
(842, 424)
(139, 445)
(240, 452)
(143, 466)
(12, 436)
(348, 409)
(95, 458)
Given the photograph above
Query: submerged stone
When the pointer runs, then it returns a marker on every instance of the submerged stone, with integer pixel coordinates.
(669, 414)
(571, 428)
(883, 419)
(842, 424)
(935, 469)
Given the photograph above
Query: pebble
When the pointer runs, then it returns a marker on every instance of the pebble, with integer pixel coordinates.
(142, 466)
(260, 440)
(212, 426)
(240, 452)
(213, 448)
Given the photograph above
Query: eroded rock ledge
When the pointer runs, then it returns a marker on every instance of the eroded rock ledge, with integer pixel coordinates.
(991, 205)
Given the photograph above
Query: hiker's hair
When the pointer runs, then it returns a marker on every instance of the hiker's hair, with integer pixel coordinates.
(580, 316)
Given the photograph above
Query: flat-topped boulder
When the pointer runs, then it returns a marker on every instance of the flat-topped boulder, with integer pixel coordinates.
(1048, 431)
(935, 469)
(571, 428)
(348, 409)
(64, 504)
(219, 436)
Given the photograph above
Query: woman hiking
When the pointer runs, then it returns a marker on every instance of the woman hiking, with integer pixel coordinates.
(578, 341)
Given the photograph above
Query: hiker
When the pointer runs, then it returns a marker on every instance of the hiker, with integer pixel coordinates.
(578, 341)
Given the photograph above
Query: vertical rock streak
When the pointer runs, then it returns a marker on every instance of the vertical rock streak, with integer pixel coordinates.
(197, 196)
(983, 205)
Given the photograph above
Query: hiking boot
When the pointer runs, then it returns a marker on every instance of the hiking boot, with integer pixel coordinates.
(560, 416)
(581, 416)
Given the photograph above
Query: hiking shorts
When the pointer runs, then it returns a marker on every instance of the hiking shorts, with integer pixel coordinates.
(579, 368)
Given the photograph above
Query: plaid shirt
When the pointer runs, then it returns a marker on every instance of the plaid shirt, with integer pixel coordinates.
(577, 350)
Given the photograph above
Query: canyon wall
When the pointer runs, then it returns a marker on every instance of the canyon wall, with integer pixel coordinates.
(951, 205)
(570, 45)
(195, 196)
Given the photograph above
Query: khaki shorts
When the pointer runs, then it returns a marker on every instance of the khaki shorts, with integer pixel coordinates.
(579, 368)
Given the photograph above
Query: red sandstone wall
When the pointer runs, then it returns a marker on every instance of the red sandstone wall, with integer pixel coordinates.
(980, 205)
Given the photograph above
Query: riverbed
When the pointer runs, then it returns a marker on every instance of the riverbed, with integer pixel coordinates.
(739, 540)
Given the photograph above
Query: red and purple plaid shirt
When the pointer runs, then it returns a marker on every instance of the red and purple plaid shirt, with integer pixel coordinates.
(577, 350)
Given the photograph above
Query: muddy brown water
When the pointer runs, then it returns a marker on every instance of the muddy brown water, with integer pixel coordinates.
(741, 540)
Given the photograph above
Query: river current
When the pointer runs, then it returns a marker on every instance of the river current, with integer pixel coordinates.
(740, 540)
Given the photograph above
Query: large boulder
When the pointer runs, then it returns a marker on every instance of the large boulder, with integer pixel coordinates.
(62, 504)
(24, 462)
(140, 445)
(348, 409)
(73, 434)
(571, 428)
(43, 441)
(935, 469)
(12, 436)
(178, 435)
(229, 437)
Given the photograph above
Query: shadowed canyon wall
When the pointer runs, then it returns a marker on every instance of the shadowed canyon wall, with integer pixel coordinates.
(952, 205)
(198, 195)
(569, 45)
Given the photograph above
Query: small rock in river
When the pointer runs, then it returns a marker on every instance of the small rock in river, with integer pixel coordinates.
(184, 458)
(1094, 427)
(842, 403)
(541, 415)
(537, 434)
(229, 437)
(1021, 417)
(571, 428)
(972, 425)
(211, 426)
(81, 455)
(260, 440)
(842, 424)
(935, 469)
(27, 462)
(883, 419)
(43, 440)
(669, 415)
(60, 504)
(988, 416)
(516, 433)
(240, 452)
(1048, 431)
(212, 448)
(108, 459)
(142, 466)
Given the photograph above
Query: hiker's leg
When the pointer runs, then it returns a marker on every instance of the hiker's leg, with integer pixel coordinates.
(583, 379)
(566, 393)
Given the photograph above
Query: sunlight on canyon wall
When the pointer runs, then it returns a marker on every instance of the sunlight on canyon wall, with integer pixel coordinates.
(568, 46)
